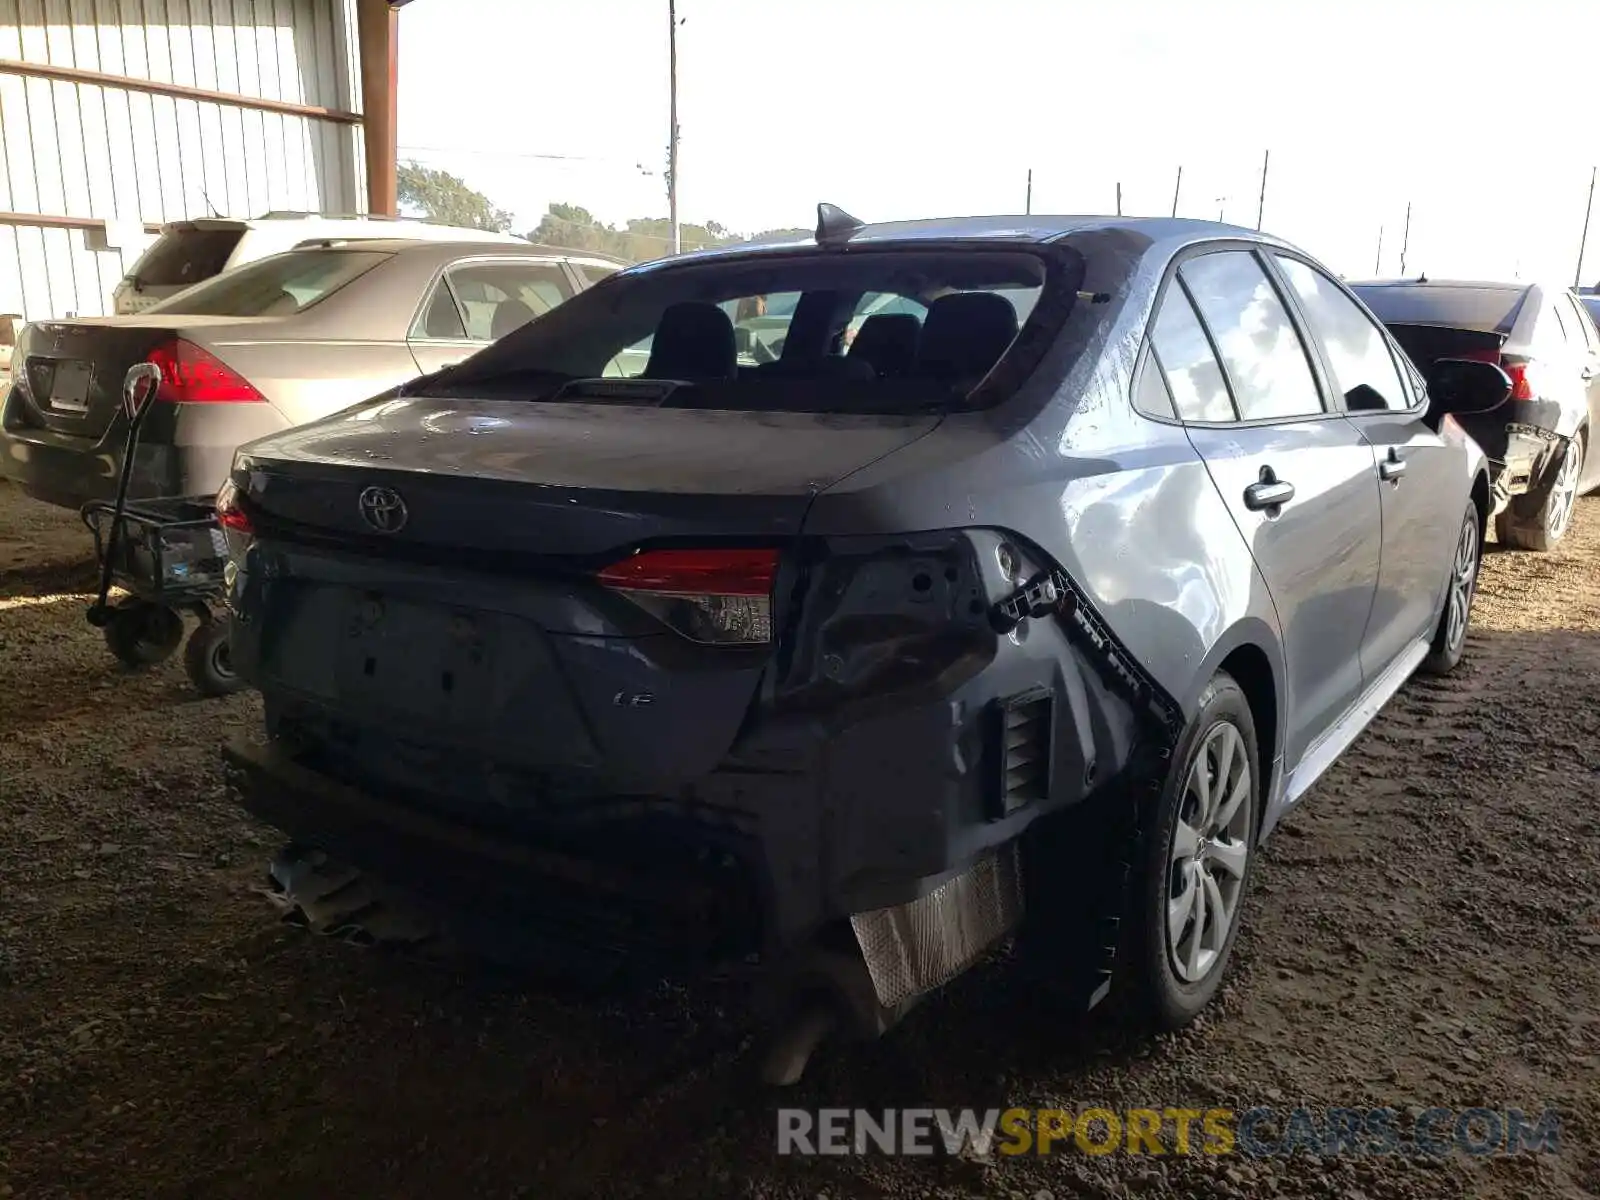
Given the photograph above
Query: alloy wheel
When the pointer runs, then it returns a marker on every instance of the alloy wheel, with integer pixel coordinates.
(1564, 492)
(1463, 579)
(1209, 853)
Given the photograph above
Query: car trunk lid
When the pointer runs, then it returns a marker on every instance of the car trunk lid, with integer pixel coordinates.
(479, 623)
(1426, 344)
(73, 370)
(515, 479)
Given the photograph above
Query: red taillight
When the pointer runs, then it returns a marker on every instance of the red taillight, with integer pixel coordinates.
(229, 512)
(717, 596)
(193, 375)
(1522, 387)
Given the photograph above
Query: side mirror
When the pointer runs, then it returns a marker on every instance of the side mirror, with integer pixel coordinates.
(1464, 386)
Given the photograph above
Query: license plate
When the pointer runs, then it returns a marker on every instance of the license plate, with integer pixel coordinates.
(69, 387)
(418, 659)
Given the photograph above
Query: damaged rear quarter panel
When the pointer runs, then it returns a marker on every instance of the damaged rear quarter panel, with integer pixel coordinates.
(1122, 504)
(900, 662)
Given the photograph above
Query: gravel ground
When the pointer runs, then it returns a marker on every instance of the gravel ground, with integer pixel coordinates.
(1424, 931)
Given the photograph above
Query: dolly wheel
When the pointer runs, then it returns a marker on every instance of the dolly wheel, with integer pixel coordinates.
(141, 634)
(208, 661)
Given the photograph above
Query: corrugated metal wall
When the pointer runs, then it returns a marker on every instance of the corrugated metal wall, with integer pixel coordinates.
(130, 158)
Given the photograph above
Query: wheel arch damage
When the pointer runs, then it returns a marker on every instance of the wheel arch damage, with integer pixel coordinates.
(988, 635)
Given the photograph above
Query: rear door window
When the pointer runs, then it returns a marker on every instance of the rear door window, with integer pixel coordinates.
(183, 257)
(278, 286)
(482, 302)
(1354, 347)
(1583, 329)
(592, 273)
(1198, 388)
(1264, 357)
(1150, 394)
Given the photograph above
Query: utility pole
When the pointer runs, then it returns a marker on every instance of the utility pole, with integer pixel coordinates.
(1377, 267)
(1583, 243)
(1029, 208)
(672, 133)
(1405, 242)
(1176, 188)
(1119, 197)
(1261, 205)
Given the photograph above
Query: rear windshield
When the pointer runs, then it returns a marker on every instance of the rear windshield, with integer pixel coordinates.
(182, 257)
(1486, 309)
(858, 332)
(279, 286)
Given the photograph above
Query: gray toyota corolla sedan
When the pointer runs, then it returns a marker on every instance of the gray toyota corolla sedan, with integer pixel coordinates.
(1032, 611)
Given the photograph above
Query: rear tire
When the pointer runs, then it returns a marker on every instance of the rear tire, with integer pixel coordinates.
(209, 661)
(1541, 519)
(1195, 862)
(1450, 638)
(141, 634)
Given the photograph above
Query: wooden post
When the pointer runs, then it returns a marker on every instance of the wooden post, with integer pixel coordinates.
(378, 36)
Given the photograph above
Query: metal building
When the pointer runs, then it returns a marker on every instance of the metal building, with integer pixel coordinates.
(119, 115)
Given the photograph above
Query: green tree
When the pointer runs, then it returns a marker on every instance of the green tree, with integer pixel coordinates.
(444, 199)
(572, 227)
(575, 228)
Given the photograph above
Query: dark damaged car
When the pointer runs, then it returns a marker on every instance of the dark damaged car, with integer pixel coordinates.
(1030, 608)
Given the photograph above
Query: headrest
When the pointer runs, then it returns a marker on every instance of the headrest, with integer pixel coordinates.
(964, 335)
(509, 316)
(693, 340)
(888, 341)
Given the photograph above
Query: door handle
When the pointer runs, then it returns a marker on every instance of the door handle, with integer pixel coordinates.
(1269, 493)
(1391, 468)
(1588, 372)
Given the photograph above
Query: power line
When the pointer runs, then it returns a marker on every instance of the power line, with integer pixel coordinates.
(511, 154)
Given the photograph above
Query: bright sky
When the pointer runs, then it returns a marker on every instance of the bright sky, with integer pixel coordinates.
(1482, 115)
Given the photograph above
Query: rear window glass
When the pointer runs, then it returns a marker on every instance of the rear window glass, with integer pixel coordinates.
(593, 273)
(1481, 308)
(185, 257)
(780, 333)
(1591, 305)
(279, 286)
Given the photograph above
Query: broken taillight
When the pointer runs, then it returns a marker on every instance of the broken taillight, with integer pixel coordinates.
(230, 513)
(720, 597)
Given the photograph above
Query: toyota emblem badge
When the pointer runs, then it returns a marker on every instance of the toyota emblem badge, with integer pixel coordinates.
(383, 509)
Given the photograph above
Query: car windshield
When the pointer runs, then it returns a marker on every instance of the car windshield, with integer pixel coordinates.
(279, 286)
(868, 331)
(1487, 308)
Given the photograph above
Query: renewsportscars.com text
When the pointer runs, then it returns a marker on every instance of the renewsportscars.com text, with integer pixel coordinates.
(1260, 1132)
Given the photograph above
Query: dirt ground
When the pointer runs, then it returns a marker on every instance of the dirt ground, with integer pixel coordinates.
(1424, 930)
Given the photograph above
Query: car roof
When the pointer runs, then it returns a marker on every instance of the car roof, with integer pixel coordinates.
(440, 249)
(1422, 281)
(1032, 229)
